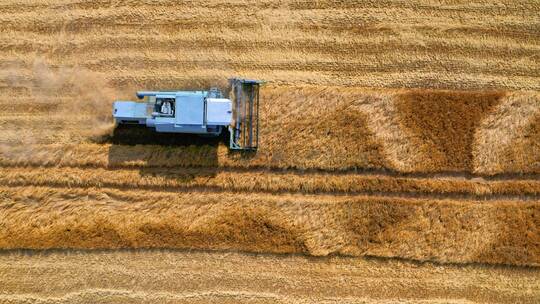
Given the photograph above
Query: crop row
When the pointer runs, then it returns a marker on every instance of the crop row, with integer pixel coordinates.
(457, 231)
(214, 179)
(407, 131)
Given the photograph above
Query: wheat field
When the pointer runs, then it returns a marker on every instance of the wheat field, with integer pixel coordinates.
(399, 156)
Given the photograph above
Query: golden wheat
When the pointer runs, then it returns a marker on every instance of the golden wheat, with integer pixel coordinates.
(440, 134)
(422, 229)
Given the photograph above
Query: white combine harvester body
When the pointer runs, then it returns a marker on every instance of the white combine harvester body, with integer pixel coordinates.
(199, 112)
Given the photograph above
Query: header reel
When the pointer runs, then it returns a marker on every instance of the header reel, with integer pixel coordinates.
(244, 128)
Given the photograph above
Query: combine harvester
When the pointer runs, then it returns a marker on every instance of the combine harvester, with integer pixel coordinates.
(206, 113)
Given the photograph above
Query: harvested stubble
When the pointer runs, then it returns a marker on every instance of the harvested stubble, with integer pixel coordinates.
(453, 231)
(438, 44)
(189, 276)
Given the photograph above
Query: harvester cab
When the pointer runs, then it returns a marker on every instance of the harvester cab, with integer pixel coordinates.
(207, 113)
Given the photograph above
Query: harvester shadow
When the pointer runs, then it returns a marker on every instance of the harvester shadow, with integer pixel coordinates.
(164, 154)
(243, 155)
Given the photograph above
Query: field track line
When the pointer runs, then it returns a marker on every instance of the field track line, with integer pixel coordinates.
(449, 175)
(321, 52)
(217, 189)
(367, 258)
(454, 197)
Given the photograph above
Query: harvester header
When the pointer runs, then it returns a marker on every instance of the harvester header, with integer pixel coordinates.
(207, 113)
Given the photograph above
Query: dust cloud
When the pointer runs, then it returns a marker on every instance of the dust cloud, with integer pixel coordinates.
(77, 103)
(87, 95)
